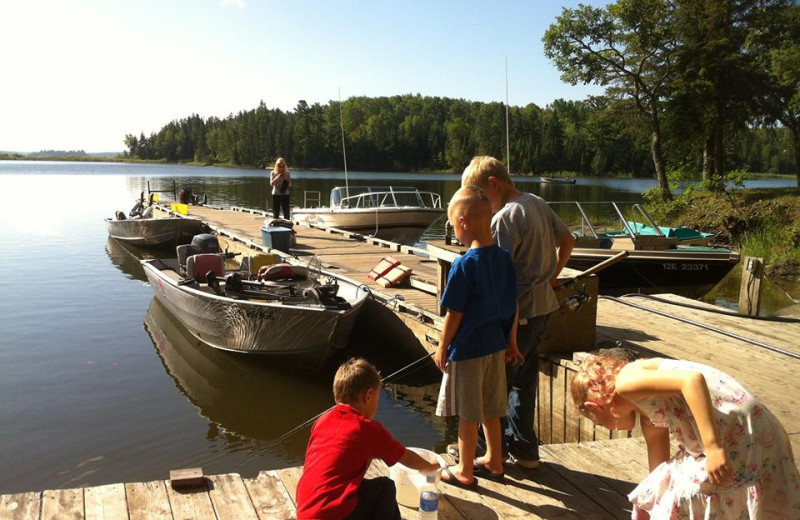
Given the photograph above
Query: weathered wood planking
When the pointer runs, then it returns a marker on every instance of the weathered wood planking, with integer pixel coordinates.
(577, 482)
(20, 506)
(771, 376)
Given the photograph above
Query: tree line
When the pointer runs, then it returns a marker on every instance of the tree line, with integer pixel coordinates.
(708, 86)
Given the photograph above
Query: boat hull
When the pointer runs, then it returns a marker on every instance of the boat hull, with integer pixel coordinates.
(307, 334)
(689, 272)
(397, 224)
(145, 231)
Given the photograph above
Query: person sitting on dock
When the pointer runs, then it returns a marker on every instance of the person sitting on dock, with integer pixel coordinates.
(540, 245)
(478, 337)
(734, 459)
(343, 442)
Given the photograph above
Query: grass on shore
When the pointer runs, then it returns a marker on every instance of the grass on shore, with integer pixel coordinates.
(759, 222)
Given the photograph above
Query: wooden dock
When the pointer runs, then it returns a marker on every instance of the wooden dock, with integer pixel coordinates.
(587, 470)
(577, 482)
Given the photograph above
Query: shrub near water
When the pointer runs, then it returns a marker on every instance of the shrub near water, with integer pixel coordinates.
(758, 222)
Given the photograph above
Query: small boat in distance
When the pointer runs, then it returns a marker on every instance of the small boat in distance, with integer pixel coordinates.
(659, 259)
(558, 180)
(286, 313)
(398, 214)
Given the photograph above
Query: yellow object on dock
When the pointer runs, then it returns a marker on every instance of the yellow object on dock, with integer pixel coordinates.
(183, 209)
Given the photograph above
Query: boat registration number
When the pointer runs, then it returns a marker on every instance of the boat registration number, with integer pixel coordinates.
(675, 266)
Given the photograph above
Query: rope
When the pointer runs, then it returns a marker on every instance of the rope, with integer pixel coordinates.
(704, 326)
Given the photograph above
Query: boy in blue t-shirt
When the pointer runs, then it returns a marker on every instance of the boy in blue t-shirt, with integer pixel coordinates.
(478, 337)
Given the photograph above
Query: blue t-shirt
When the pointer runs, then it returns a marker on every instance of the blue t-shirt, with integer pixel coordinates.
(482, 286)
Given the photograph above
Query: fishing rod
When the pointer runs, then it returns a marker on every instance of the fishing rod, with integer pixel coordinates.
(299, 427)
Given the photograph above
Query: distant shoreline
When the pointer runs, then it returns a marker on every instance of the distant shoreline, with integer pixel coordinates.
(95, 158)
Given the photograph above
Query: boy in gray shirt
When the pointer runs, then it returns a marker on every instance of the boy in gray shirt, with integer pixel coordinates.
(540, 245)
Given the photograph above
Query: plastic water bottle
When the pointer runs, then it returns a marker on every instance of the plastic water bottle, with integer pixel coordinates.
(429, 499)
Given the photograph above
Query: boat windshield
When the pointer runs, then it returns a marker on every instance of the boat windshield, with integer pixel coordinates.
(383, 196)
(603, 219)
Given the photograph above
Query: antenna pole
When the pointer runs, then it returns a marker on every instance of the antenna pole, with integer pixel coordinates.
(508, 136)
(344, 152)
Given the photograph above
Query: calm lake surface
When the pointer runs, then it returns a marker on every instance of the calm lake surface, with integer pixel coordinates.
(100, 384)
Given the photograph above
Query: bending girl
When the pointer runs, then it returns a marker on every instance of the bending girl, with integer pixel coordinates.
(734, 459)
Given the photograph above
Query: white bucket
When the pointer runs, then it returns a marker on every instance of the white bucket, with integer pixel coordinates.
(409, 481)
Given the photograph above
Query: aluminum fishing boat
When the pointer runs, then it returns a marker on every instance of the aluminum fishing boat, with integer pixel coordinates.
(291, 315)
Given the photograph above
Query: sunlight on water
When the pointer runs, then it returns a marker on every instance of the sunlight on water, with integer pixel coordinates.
(45, 205)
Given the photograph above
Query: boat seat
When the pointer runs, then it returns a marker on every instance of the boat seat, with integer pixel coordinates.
(282, 271)
(184, 252)
(198, 265)
(251, 264)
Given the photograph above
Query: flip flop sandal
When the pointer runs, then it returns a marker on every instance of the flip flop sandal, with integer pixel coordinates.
(453, 480)
(484, 472)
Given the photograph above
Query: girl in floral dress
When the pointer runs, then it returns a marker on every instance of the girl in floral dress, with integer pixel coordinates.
(734, 459)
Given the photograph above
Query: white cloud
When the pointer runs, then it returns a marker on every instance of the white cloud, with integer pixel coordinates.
(232, 3)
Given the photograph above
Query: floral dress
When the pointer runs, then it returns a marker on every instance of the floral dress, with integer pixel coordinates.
(765, 485)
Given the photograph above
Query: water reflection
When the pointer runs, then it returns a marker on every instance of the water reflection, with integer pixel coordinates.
(244, 398)
(127, 258)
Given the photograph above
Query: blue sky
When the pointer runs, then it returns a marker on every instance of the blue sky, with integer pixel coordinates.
(80, 74)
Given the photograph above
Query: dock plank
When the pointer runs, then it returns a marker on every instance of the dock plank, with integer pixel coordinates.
(148, 500)
(190, 504)
(230, 498)
(20, 506)
(270, 497)
(105, 502)
(62, 504)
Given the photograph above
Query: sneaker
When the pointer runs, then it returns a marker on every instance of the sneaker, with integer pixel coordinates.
(452, 450)
(526, 463)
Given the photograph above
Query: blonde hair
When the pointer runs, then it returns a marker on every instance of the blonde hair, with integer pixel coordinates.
(597, 376)
(354, 377)
(278, 163)
(481, 168)
(470, 201)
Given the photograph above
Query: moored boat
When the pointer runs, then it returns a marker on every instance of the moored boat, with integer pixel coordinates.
(657, 262)
(291, 316)
(558, 180)
(145, 231)
(397, 214)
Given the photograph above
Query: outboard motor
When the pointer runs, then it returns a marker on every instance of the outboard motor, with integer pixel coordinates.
(206, 243)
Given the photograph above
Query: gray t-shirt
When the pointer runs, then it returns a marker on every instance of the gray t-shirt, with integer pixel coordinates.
(527, 228)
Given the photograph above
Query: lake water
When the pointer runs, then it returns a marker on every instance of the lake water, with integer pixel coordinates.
(99, 384)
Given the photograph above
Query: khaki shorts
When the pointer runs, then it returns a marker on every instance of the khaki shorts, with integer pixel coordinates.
(474, 389)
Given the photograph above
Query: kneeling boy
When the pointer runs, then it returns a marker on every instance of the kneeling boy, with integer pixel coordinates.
(343, 442)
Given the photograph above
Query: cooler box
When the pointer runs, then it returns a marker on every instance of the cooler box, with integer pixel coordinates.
(276, 237)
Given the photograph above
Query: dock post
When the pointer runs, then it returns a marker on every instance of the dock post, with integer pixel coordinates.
(750, 290)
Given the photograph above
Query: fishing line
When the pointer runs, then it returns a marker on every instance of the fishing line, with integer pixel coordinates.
(291, 432)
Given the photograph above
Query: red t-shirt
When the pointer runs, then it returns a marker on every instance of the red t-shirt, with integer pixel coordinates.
(343, 443)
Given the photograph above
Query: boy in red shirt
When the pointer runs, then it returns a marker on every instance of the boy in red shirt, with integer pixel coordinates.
(343, 442)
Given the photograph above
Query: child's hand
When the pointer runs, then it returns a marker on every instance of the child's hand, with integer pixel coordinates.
(718, 466)
(513, 355)
(440, 357)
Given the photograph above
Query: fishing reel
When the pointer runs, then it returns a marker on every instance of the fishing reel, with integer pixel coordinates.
(576, 301)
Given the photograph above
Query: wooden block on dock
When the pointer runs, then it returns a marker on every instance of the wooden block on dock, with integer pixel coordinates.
(187, 478)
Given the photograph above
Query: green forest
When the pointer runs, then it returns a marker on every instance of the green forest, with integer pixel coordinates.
(691, 88)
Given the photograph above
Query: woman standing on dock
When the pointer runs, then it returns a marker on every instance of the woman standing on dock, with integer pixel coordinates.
(281, 181)
(734, 460)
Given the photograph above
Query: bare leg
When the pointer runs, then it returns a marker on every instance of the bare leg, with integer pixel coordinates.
(467, 440)
(494, 446)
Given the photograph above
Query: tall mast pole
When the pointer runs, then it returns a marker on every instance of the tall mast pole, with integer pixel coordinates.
(344, 152)
(508, 137)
